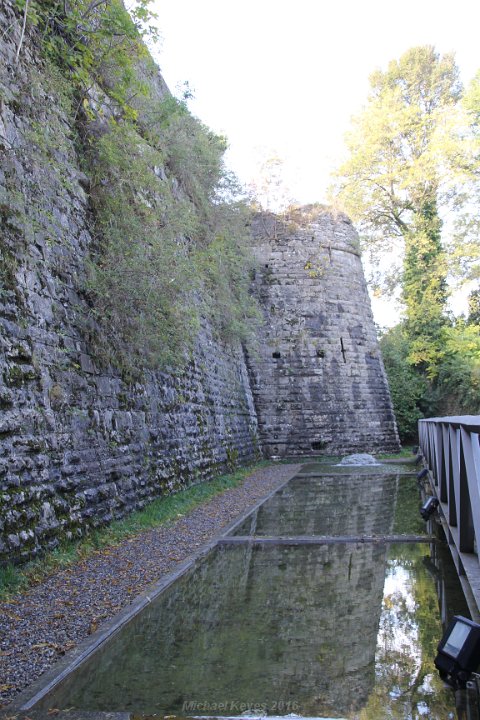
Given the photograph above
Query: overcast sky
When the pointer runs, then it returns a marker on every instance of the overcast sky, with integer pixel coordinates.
(284, 78)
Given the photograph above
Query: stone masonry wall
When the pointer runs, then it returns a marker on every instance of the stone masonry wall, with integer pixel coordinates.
(79, 445)
(318, 378)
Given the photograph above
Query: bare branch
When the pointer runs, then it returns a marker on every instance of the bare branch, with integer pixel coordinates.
(22, 35)
(93, 6)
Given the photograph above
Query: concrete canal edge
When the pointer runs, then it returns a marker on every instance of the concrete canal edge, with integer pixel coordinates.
(48, 681)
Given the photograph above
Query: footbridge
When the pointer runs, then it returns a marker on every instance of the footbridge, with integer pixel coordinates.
(451, 450)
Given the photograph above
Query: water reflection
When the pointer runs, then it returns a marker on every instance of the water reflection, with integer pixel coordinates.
(339, 630)
(276, 627)
(407, 684)
(329, 505)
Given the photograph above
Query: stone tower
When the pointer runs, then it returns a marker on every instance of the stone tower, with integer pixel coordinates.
(318, 378)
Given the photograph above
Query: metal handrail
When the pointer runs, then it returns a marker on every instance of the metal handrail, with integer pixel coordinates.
(451, 448)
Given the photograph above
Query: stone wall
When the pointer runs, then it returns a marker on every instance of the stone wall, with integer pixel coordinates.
(318, 378)
(79, 443)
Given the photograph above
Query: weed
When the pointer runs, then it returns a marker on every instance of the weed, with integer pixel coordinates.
(159, 512)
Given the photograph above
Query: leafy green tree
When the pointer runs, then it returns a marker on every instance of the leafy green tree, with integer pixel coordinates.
(414, 152)
(392, 184)
(474, 307)
(456, 389)
(464, 161)
(409, 390)
(459, 372)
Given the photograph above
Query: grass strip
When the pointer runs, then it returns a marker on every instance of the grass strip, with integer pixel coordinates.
(18, 578)
(405, 452)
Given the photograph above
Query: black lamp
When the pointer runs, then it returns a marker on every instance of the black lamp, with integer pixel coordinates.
(423, 473)
(459, 652)
(429, 507)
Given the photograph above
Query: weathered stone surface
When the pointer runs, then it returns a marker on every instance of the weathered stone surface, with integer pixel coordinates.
(79, 445)
(318, 378)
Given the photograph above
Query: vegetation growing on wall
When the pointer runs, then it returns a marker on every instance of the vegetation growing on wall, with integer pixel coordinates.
(171, 234)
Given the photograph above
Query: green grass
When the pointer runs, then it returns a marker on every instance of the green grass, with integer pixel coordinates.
(405, 452)
(15, 579)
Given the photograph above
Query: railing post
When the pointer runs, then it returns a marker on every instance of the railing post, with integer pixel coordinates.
(470, 473)
(439, 463)
(450, 479)
(466, 523)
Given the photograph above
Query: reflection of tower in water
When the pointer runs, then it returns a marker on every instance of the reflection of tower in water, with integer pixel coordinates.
(278, 627)
(331, 623)
(342, 584)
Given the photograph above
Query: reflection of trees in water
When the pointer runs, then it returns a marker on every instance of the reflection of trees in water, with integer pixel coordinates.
(407, 684)
(298, 624)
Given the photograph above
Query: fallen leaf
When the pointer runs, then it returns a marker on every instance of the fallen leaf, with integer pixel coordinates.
(40, 646)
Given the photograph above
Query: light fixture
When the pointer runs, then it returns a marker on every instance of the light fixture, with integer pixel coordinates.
(459, 652)
(429, 507)
(423, 473)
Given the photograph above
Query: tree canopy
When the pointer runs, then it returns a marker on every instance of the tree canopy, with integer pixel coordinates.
(413, 154)
(393, 172)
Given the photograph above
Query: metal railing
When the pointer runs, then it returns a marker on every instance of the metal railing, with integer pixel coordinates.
(451, 449)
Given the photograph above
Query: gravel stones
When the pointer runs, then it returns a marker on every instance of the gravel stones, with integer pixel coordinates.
(41, 625)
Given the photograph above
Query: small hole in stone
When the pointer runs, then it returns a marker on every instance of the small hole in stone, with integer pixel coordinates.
(320, 353)
(276, 355)
(318, 445)
(266, 265)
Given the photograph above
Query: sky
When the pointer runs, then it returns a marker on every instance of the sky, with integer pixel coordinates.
(282, 78)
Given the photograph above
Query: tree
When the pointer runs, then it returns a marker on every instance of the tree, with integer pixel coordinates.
(271, 190)
(464, 160)
(408, 389)
(392, 185)
(459, 372)
(474, 307)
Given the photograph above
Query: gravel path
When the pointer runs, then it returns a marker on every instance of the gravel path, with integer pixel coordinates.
(39, 626)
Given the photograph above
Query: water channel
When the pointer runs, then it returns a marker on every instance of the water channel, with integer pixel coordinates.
(308, 608)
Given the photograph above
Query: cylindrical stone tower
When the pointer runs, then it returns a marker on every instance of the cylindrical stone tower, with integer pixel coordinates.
(318, 378)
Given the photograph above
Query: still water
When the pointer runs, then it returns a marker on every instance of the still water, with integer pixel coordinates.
(347, 629)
